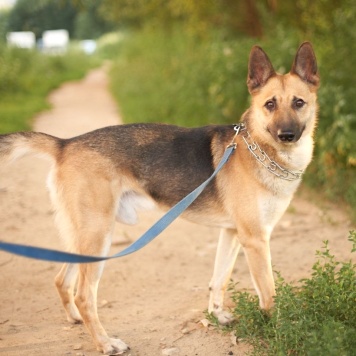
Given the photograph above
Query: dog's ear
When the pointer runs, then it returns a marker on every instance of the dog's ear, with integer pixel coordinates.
(305, 65)
(260, 69)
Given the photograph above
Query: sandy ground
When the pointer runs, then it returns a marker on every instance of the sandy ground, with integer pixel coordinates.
(153, 299)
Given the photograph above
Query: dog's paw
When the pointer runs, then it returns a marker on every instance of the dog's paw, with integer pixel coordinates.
(75, 321)
(114, 347)
(73, 316)
(224, 317)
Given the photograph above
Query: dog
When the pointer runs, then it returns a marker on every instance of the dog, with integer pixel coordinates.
(111, 173)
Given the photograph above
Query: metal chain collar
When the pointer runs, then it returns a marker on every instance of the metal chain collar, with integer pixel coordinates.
(262, 157)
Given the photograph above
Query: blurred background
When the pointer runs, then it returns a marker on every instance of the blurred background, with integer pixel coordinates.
(184, 62)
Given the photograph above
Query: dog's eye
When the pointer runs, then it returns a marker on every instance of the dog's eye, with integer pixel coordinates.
(270, 105)
(299, 103)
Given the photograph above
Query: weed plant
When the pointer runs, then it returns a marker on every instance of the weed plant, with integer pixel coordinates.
(316, 318)
(26, 77)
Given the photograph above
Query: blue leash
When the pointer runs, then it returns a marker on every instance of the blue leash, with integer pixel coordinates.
(66, 257)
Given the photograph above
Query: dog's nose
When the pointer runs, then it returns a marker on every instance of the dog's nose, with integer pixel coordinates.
(286, 136)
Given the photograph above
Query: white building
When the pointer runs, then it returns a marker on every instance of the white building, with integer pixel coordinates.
(55, 41)
(21, 39)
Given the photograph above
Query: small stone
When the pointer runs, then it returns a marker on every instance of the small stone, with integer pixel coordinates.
(104, 303)
(170, 351)
(233, 339)
(205, 322)
(77, 347)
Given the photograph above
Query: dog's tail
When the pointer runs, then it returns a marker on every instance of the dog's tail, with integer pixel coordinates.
(19, 144)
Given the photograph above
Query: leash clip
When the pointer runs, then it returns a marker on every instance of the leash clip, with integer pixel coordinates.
(237, 128)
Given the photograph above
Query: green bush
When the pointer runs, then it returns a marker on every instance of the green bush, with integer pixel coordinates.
(316, 318)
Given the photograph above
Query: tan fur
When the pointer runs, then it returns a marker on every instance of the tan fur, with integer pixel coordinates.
(110, 173)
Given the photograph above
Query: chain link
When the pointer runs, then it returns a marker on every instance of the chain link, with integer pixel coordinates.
(272, 166)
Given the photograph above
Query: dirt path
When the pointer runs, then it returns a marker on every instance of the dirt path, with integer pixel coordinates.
(153, 299)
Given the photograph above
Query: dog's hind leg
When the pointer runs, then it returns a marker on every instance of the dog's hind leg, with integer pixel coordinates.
(94, 238)
(86, 300)
(65, 283)
(86, 204)
(226, 254)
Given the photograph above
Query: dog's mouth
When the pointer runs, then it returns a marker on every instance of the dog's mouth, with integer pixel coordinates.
(287, 135)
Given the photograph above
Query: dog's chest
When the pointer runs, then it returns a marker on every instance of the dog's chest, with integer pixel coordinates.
(278, 186)
(271, 207)
(280, 177)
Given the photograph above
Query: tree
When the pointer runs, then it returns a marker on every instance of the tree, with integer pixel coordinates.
(229, 15)
(89, 22)
(41, 15)
(81, 18)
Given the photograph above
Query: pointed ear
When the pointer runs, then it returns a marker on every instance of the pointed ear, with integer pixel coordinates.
(260, 69)
(305, 65)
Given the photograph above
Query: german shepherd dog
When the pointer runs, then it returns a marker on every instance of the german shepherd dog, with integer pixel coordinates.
(113, 172)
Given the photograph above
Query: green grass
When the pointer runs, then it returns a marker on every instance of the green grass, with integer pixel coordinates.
(27, 77)
(16, 112)
(318, 317)
(167, 77)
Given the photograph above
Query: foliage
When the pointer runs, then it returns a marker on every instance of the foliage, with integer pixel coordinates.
(198, 16)
(335, 167)
(109, 45)
(4, 16)
(81, 18)
(89, 24)
(316, 318)
(26, 77)
(179, 79)
(39, 16)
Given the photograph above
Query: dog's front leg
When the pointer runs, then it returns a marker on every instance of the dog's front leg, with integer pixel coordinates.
(257, 251)
(228, 248)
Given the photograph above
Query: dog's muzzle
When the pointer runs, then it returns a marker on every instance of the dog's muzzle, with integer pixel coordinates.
(286, 136)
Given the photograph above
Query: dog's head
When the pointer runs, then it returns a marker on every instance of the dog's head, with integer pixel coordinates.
(285, 105)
